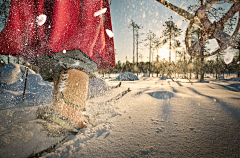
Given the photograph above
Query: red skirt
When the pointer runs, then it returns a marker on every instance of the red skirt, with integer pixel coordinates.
(70, 24)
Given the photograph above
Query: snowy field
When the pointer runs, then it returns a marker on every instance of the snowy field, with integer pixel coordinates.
(157, 118)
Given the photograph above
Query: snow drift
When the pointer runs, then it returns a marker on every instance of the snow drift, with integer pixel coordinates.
(38, 91)
(126, 76)
(12, 72)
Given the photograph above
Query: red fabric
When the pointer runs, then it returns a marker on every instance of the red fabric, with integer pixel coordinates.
(70, 25)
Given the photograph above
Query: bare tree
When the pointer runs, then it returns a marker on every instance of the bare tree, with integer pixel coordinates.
(137, 36)
(220, 16)
(150, 37)
(157, 45)
(134, 26)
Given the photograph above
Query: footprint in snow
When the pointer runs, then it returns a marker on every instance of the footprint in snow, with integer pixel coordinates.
(155, 121)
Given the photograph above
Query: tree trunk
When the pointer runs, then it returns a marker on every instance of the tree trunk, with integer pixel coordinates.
(197, 70)
(184, 68)
(238, 65)
(202, 70)
(8, 59)
(150, 58)
(190, 69)
(217, 68)
(18, 59)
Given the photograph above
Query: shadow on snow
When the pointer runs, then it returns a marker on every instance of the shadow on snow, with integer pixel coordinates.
(161, 95)
(235, 112)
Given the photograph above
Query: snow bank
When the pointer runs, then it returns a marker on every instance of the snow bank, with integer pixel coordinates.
(163, 78)
(38, 91)
(12, 72)
(96, 86)
(145, 75)
(126, 76)
(236, 79)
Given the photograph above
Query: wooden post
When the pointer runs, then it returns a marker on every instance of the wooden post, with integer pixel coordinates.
(25, 86)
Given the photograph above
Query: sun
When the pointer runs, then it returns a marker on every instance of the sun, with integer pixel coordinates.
(163, 53)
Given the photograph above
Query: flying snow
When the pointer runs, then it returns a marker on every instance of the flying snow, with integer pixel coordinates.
(41, 19)
(102, 11)
(228, 58)
(238, 62)
(110, 33)
(64, 51)
(144, 15)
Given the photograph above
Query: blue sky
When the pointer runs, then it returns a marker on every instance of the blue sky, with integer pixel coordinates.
(152, 16)
(147, 13)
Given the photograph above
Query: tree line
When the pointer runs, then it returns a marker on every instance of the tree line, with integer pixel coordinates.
(184, 68)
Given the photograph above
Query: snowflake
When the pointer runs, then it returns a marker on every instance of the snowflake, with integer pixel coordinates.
(102, 11)
(110, 33)
(41, 19)
(228, 58)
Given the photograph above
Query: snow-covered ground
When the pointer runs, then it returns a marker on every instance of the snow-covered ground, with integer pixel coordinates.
(157, 118)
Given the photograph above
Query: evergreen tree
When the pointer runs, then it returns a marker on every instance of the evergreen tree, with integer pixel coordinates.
(170, 33)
